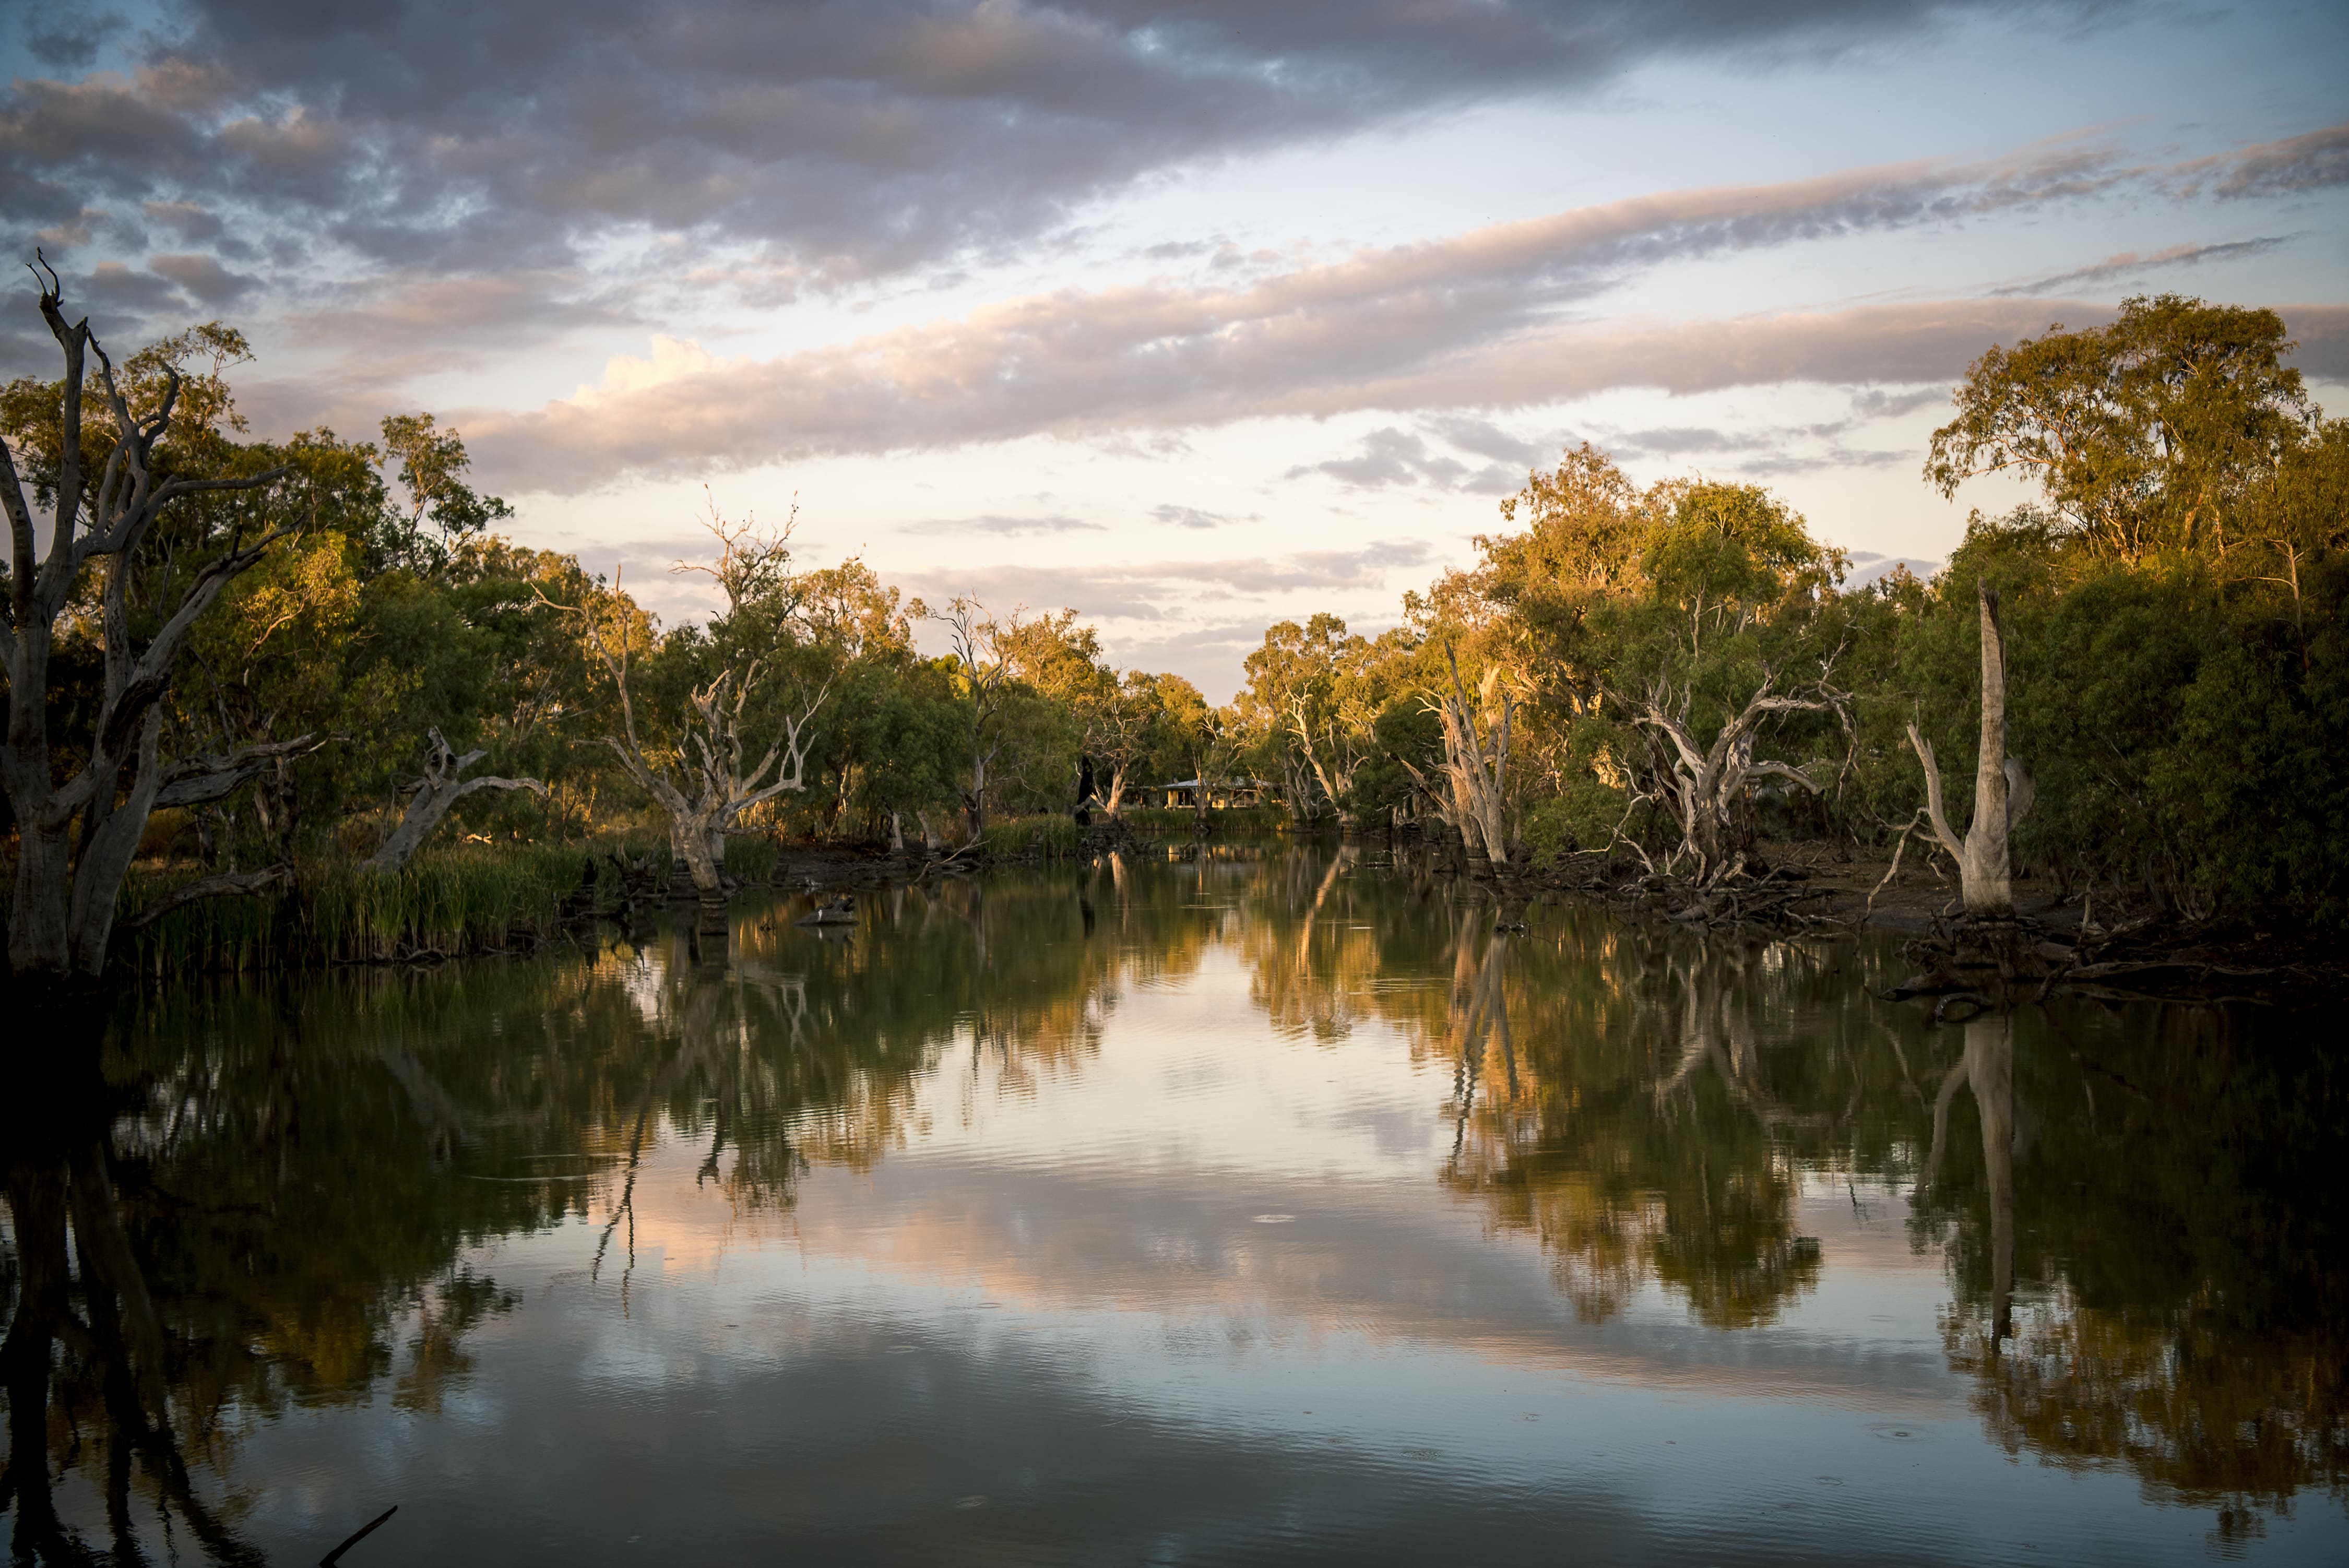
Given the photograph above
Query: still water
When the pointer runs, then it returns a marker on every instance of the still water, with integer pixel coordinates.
(1266, 1208)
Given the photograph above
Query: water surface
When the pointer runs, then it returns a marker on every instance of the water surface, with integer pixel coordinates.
(1246, 1209)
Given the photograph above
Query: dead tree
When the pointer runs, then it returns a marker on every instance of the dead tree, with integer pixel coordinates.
(436, 792)
(75, 838)
(712, 788)
(2003, 787)
(1709, 781)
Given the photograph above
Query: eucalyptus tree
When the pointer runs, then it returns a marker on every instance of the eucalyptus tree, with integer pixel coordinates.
(983, 672)
(698, 766)
(2146, 436)
(82, 798)
(1313, 688)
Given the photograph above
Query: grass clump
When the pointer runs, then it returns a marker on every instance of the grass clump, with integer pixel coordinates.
(1052, 837)
(460, 899)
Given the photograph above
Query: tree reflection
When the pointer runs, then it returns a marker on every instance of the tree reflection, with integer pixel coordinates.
(262, 1199)
(1635, 1132)
(243, 1203)
(2140, 1208)
(107, 1369)
(2147, 1261)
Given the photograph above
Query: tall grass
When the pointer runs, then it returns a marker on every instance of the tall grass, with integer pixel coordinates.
(463, 899)
(449, 898)
(1054, 837)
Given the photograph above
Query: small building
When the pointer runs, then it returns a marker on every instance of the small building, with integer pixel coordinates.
(1182, 794)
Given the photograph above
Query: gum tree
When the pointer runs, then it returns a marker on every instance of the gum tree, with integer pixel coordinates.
(82, 799)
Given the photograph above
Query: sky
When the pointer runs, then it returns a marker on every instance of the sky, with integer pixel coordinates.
(1189, 317)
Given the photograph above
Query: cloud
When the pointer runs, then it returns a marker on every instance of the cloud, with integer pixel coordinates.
(2315, 162)
(204, 278)
(1189, 516)
(1156, 589)
(1389, 457)
(1482, 320)
(830, 139)
(64, 40)
(1392, 457)
(2130, 263)
(1760, 453)
(2323, 333)
(1890, 403)
(1485, 439)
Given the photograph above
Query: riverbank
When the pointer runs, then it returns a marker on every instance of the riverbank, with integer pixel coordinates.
(487, 900)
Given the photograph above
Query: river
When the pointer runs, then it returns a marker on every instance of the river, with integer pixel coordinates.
(1267, 1206)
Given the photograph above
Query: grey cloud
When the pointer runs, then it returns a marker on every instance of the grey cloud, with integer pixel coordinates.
(2323, 333)
(1494, 478)
(1483, 438)
(2315, 162)
(1147, 590)
(1473, 322)
(113, 290)
(847, 137)
(1189, 516)
(64, 41)
(1389, 457)
(1772, 452)
(191, 223)
(203, 278)
(1068, 370)
(1397, 456)
(1890, 403)
(1779, 465)
(2130, 263)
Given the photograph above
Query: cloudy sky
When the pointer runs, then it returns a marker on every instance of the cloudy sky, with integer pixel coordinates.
(1188, 315)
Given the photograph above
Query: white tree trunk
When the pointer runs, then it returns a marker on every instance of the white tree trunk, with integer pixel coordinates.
(2002, 789)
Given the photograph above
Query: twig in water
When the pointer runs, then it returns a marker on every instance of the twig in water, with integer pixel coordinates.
(361, 1533)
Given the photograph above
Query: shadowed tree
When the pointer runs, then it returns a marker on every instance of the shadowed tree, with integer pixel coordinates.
(77, 834)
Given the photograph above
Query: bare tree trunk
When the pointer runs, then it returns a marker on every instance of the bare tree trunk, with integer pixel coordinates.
(436, 792)
(76, 839)
(1709, 781)
(1477, 768)
(723, 784)
(2003, 787)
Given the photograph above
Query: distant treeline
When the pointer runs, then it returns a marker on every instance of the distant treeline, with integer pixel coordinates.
(2174, 604)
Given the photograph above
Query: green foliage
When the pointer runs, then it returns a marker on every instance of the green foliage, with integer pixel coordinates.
(2147, 435)
(2176, 605)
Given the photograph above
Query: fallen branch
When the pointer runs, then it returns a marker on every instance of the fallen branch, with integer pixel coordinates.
(225, 886)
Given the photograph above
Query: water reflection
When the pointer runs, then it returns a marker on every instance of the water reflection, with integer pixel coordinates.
(262, 1206)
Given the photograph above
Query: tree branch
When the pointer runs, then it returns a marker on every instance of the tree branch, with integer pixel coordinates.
(194, 780)
(225, 886)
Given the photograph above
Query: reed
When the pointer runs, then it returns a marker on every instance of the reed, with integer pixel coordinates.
(1054, 837)
(462, 899)
(450, 900)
